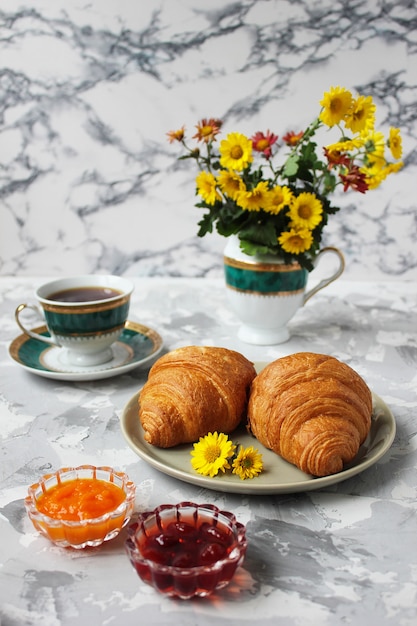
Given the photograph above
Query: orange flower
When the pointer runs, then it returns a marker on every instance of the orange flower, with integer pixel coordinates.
(292, 138)
(207, 129)
(176, 135)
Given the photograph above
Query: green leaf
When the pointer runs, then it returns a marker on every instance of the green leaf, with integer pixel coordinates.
(291, 166)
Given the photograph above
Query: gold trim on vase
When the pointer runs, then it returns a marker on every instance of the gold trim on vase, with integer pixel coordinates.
(268, 294)
(257, 266)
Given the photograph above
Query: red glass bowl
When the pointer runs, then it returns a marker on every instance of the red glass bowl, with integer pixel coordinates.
(84, 532)
(186, 549)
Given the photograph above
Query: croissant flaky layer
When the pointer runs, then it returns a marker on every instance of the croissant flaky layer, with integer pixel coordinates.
(192, 391)
(312, 410)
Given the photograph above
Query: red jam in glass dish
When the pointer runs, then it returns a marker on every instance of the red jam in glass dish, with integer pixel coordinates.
(81, 506)
(187, 549)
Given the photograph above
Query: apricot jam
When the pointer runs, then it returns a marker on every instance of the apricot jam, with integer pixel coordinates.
(82, 506)
(80, 499)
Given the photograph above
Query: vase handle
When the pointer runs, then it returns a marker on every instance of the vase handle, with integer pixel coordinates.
(326, 281)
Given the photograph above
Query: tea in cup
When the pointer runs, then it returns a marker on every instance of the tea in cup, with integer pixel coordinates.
(84, 315)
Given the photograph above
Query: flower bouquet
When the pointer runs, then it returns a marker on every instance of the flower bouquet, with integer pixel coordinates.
(282, 209)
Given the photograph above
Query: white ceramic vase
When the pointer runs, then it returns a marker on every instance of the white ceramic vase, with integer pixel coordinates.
(265, 293)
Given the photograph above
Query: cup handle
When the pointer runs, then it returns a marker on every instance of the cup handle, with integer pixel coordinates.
(28, 332)
(326, 281)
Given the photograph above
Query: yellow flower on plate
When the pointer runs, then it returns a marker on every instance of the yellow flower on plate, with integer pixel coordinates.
(211, 454)
(336, 103)
(235, 152)
(306, 211)
(206, 187)
(295, 241)
(248, 463)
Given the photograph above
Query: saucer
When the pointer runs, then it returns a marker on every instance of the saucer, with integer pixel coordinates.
(136, 345)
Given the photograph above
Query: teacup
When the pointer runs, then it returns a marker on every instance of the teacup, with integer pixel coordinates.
(84, 315)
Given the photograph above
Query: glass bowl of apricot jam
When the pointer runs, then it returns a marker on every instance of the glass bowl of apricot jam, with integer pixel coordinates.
(81, 506)
(186, 550)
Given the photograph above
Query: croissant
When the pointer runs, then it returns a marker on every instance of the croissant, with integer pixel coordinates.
(312, 410)
(192, 391)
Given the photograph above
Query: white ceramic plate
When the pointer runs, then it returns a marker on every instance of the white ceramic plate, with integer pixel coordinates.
(136, 346)
(278, 475)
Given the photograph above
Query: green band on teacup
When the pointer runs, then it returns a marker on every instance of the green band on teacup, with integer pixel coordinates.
(85, 324)
(266, 279)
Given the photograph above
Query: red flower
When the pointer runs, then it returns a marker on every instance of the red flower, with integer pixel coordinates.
(354, 179)
(263, 143)
(336, 158)
(292, 138)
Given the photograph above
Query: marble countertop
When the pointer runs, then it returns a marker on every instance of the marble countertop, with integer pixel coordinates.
(343, 554)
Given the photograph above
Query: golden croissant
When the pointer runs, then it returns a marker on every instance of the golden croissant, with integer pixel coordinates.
(192, 391)
(312, 410)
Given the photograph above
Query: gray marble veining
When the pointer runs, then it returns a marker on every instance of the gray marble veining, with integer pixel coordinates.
(88, 181)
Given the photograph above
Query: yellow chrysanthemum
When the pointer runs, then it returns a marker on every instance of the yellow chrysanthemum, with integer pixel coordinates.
(235, 152)
(248, 463)
(374, 143)
(296, 241)
(306, 211)
(378, 170)
(346, 145)
(211, 454)
(254, 199)
(230, 183)
(361, 115)
(336, 103)
(395, 143)
(206, 187)
(278, 198)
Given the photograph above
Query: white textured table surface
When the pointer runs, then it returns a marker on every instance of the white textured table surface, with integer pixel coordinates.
(345, 554)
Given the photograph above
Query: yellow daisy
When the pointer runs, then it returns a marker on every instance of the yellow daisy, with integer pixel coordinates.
(235, 152)
(296, 241)
(230, 183)
(306, 211)
(346, 145)
(361, 115)
(278, 198)
(206, 187)
(211, 454)
(336, 103)
(254, 199)
(248, 463)
(395, 143)
(374, 143)
(377, 171)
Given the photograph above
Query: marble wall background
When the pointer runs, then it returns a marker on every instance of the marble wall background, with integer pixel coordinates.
(89, 88)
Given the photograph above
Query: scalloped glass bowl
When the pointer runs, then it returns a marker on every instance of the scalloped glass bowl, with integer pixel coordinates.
(86, 532)
(196, 568)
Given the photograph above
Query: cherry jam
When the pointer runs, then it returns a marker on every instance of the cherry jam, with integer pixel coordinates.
(182, 544)
(186, 551)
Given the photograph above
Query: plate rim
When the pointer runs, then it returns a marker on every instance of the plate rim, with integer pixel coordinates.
(253, 487)
(137, 327)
